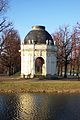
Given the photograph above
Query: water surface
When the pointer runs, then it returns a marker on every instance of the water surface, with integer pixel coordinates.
(39, 107)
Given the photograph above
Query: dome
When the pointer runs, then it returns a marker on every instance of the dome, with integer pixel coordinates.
(39, 35)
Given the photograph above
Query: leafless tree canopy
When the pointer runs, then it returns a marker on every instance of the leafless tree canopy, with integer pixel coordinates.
(3, 22)
(10, 56)
(68, 50)
(3, 6)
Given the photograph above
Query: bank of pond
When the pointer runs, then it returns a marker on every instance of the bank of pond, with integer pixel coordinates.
(39, 86)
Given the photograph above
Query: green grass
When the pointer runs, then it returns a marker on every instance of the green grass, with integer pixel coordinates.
(46, 86)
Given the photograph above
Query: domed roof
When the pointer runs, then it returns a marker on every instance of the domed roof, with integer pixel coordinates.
(39, 35)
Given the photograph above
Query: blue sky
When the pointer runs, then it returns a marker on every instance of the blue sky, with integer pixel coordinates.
(50, 13)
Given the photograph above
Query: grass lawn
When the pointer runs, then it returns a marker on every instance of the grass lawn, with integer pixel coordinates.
(17, 85)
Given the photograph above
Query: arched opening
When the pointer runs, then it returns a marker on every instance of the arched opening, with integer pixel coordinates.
(38, 65)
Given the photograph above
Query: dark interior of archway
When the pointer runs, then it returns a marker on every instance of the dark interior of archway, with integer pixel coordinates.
(38, 65)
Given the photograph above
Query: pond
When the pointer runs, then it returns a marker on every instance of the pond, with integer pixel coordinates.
(30, 106)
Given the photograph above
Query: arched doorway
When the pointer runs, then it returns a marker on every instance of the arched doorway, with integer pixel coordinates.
(38, 65)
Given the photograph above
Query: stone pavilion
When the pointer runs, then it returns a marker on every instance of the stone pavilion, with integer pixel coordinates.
(38, 54)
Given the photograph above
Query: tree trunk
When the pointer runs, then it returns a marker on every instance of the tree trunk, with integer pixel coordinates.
(61, 70)
(78, 69)
(73, 71)
(58, 68)
(10, 71)
(70, 68)
(65, 69)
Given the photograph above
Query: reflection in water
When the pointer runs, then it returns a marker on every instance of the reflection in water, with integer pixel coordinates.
(8, 107)
(39, 107)
(26, 105)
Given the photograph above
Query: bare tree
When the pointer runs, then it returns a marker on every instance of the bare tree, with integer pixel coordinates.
(58, 42)
(3, 8)
(63, 42)
(10, 56)
(76, 49)
(4, 24)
